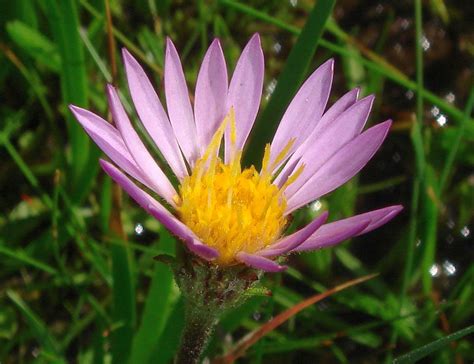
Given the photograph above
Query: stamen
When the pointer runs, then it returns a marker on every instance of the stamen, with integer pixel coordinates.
(231, 209)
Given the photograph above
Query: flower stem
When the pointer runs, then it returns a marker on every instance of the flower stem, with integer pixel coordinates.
(197, 331)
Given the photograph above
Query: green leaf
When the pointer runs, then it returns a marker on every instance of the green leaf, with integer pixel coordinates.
(39, 328)
(161, 298)
(35, 44)
(64, 22)
(123, 301)
(417, 354)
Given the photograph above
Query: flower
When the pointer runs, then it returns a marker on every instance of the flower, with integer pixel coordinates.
(224, 212)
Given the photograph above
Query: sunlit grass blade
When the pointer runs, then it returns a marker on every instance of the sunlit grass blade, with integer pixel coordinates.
(290, 77)
(420, 353)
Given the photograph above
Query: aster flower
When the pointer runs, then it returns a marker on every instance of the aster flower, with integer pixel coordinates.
(224, 212)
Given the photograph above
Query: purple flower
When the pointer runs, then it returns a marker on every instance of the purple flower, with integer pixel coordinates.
(225, 213)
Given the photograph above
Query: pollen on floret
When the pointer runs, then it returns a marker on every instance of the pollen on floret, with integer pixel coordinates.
(231, 209)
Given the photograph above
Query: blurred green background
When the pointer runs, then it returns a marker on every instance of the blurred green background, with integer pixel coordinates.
(72, 292)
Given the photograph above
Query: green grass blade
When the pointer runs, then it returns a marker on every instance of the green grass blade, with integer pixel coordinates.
(159, 303)
(375, 63)
(291, 77)
(23, 257)
(35, 44)
(39, 328)
(417, 354)
(64, 22)
(459, 135)
(123, 301)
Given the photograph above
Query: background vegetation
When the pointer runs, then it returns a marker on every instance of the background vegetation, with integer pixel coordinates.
(73, 291)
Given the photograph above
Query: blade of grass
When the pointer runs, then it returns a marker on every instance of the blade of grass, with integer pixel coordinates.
(457, 141)
(290, 77)
(420, 353)
(64, 23)
(123, 301)
(373, 61)
(158, 305)
(22, 256)
(418, 147)
(278, 320)
(39, 328)
(122, 38)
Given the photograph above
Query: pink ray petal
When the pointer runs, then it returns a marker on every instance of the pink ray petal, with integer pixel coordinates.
(109, 141)
(210, 96)
(179, 229)
(153, 115)
(179, 106)
(341, 167)
(324, 240)
(329, 116)
(157, 179)
(157, 210)
(245, 92)
(290, 242)
(304, 111)
(327, 142)
(334, 232)
(258, 262)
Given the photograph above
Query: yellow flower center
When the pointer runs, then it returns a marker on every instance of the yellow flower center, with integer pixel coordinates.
(231, 209)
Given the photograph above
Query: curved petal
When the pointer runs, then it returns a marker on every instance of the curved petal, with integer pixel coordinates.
(153, 115)
(290, 242)
(304, 111)
(324, 240)
(259, 262)
(179, 229)
(327, 142)
(108, 139)
(337, 231)
(157, 210)
(210, 95)
(155, 176)
(342, 166)
(329, 116)
(179, 106)
(245, 92)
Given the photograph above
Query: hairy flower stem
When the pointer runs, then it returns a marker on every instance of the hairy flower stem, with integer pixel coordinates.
(208, 290)
(196, 334)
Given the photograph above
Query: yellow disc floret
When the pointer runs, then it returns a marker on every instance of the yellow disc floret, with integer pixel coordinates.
(228, 208)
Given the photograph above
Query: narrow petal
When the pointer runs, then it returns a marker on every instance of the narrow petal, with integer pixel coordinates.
(210, 96)
(153, 115)
(179, 229)
(290, 242)
(245, 92)
(329, 116)
(109, 141)
(337, 231)
(326, 239)
(304, 111)
(155, 176)
(179, 106)
(341, 167)
(157, 210)
(328, 141)
(259, 262)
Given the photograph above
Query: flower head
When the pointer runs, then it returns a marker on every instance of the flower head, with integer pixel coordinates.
(225, 212)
